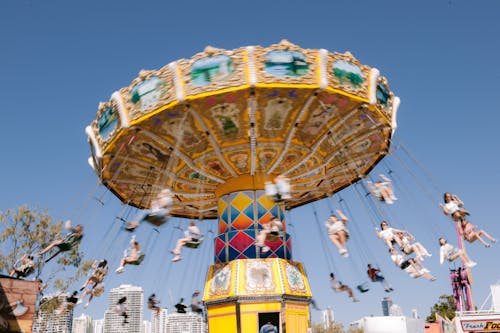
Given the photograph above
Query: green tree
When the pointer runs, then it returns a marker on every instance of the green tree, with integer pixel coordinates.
(445, 307)
(334, 328)
(26, 230)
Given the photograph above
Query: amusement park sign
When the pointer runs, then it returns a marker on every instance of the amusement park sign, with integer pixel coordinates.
(481, 325)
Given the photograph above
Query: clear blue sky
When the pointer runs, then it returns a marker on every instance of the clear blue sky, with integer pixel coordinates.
(59, 59)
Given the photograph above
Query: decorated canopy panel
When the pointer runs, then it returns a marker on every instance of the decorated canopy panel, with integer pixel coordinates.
(256, 277)
(229, 120)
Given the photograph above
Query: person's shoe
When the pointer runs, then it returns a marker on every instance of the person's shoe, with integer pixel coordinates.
(120, 270)
(345, 254)
(471, 264)
(389, 201)
(424, 270)
(433, 279)
(176, 258)
(79, 302)
(487, 245)
(265, 249)
(86, 305)
(355, 300)
(393, 198)
(493, 240)
(175, 253)
(420, 258)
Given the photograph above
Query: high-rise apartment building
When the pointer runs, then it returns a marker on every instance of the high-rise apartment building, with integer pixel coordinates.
(386, 305)
(159, 321)
(98, 326)
(146, 326)
(185, 322)
(327, 318)
(82, 324)
(113, 321)
(47, 320)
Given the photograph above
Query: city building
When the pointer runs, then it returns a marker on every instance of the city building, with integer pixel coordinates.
(386, 305)
(395, 310)
(52, 316)
(114, 322)
(98, 326)
(328, 318)
(146, 326)
(392, 324)
(185, 322)
(159, 321)
(82, 324)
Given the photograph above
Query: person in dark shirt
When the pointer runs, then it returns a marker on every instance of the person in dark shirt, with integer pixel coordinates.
(180, 307)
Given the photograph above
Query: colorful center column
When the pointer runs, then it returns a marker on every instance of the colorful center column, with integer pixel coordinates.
(242, 215)
(247, 288)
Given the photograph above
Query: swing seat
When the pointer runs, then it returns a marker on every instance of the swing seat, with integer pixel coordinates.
(363, 288)
(138, 261)
(273, 236)
(98, 291)
(69, 243)
(194, 244)
(156, 219)
(27, 271)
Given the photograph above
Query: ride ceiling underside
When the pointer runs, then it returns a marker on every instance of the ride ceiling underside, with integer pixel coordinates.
(228, 120)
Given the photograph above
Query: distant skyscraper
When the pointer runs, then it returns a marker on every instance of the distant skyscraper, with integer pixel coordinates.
(82, 324)
(328, 318)
(47, 321)
(185, 322)
(146, 326)
(395, 310)
(386, 305)
(113, 322)
(98, 326)
(159, 321)
(414, 313)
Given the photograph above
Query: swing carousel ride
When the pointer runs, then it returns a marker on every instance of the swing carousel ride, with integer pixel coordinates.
(215, 128)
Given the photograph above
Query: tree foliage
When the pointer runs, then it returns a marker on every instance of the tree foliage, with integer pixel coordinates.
(334, 328)
(445, 307)
(26, 231)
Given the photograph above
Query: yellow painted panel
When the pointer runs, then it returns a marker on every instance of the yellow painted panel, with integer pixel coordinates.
(296, 307)
(260, 307)
(296, 322)
(249, 322)
(341, 92)
(222, 324)
(221, 310)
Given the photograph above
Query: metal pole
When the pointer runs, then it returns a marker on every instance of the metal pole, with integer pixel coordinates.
(469, 302)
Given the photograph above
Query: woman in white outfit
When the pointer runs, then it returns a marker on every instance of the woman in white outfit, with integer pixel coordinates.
(453, 207)
(388, 234)
(450, 253)
(337, 231)
(273, 227)
(408, 247)
(412, 266)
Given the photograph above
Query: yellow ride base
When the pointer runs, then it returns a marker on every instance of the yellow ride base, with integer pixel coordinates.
(242, 295)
